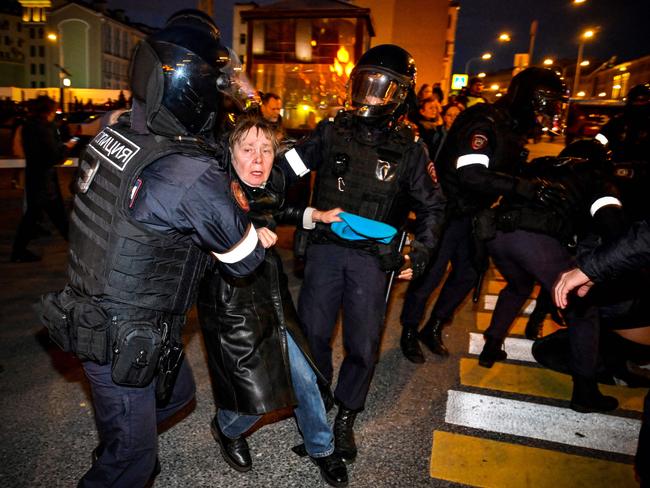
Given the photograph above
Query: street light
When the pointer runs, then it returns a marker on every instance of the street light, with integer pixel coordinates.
(484, 57)
(585, 63)
(504, 37)
(585, 36)
(548, 62)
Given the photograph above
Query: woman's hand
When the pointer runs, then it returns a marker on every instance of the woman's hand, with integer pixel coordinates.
(326, 216)
(406, 273)
(267, 237)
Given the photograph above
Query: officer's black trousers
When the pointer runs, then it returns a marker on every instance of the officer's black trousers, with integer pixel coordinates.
(127, 420)
(456, 246)
(523, 258)
(338, 277)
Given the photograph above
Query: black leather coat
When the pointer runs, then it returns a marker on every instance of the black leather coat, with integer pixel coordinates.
(245, 320)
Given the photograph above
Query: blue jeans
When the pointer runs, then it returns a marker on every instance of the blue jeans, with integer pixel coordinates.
(310, 411)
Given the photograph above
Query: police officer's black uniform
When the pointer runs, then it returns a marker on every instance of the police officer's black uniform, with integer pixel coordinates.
(628, 137)
(479, 161)
(148, 213)
(530, 243)
(368, 165)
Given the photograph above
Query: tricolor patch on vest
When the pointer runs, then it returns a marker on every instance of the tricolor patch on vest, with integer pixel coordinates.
(479, 141)
(114, 148)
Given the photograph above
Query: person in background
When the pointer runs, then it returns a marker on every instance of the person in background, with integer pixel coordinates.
(271, 110)
(472, 94)
(43, 150)
(256, 314)
(424, 92)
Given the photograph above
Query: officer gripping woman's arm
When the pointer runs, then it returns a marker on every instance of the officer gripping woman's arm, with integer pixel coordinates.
(152, 208)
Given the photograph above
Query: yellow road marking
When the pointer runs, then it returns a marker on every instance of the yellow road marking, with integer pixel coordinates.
(518, 326)
(482, 462)
(539, 382)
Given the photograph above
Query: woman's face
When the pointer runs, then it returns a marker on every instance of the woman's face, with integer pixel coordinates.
(450, 116)
(430, 110)
(252, 157)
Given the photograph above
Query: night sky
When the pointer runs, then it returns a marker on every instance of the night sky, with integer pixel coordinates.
(622, 24)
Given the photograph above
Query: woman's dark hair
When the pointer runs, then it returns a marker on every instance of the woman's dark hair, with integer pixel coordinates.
(42, 106)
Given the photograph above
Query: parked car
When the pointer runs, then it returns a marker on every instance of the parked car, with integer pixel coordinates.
(586, 117)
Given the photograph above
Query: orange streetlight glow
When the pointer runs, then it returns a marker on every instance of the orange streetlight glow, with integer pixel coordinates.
(504, 37)
(548, 62)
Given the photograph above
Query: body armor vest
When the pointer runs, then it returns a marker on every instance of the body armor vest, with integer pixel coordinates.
(114, 256)
(363, 176)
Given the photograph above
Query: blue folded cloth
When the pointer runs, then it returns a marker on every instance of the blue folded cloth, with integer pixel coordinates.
(355, 228)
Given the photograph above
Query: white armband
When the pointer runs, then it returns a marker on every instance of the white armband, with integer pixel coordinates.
(295, 161)
(469, 159)
(603, 202)
(240, 250)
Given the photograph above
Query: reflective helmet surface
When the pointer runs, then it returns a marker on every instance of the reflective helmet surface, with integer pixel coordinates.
(380, 81)
(637, 103)
(184, 61)
(536, 92)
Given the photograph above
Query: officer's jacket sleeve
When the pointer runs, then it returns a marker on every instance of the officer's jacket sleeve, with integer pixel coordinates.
(631, 253)
(208, 211)
(428, 201)
(477, 170)
(307, 155)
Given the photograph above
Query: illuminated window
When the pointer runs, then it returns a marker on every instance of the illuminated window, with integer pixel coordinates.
(619, 85)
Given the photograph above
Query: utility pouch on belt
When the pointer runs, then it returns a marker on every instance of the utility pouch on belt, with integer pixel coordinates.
(135, 353)
(300, 242)
(55, 319)
(77, 324)
(484, 225)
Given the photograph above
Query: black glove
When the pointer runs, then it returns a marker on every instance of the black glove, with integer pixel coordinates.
(420, 255)
(544, 192)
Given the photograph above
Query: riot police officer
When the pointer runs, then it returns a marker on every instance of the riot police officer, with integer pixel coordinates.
(628, 137)
(479, 161)
(368, 164)
(529, 242)
(153, 207)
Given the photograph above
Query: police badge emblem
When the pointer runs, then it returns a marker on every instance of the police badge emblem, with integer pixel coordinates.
(239, 196)
(479, 141)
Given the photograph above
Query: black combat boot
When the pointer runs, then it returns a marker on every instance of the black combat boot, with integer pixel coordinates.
(332, 469)
(587, 397)
(431, 336)
(344, 443)
(491, 353)
(535, 325)
(410, 345)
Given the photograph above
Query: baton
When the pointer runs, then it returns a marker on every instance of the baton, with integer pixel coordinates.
(391, 277)
(478, 286)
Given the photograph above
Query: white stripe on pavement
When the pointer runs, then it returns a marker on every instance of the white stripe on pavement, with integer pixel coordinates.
(518, 349)
(543, 422)
(491, 301)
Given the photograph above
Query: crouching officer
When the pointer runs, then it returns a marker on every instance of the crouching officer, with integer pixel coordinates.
(372, 166)
(152, 208)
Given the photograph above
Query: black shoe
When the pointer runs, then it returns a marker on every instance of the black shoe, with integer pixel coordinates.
(234, 451)
(332, 469)
(24, 256)
(431, 336)
(587, 397)
(344, 443)
(491, 353)
(534, 327)
(410, 346)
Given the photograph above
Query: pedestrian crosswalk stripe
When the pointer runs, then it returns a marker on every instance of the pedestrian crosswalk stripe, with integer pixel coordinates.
(490, 301)
(544, 422)
(516, 348)
(527, 380)
(484, 462)
(518, 326)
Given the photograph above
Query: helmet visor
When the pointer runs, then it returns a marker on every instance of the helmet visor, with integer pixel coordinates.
(374, 92)
(234, 83)
(548, 102)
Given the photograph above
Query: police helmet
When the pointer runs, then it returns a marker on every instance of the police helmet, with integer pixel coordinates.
(381, 81)
(179, 71)
(637, 102)
(535, 92)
